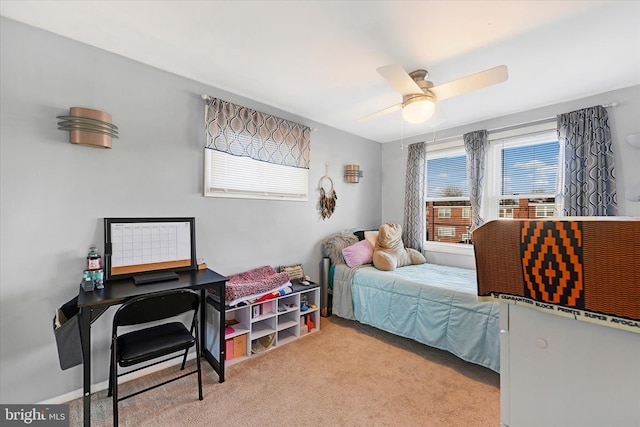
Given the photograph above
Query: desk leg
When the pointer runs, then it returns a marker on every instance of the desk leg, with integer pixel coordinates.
(203, 322)
(85, 314)
(217, 365)
(223, 347)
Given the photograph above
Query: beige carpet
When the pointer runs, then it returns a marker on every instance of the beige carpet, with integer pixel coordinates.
(348, 374)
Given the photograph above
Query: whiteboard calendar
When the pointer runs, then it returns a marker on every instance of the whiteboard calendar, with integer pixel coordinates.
(145, 245)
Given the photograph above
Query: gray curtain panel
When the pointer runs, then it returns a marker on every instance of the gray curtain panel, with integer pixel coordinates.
(241, 131)
(588, 185)
(476, 144)
(415, 222)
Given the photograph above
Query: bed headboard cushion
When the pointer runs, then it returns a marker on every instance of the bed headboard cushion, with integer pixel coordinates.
(372, 237)
(360, 233)
(333, 245)
(358, 254)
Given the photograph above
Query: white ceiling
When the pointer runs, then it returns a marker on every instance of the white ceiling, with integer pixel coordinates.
(318, 59)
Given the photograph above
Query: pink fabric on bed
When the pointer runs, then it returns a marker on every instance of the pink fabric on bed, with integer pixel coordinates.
(261, 279)
(358, 254)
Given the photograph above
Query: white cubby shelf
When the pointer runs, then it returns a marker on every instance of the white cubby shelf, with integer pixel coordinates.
(265, 325)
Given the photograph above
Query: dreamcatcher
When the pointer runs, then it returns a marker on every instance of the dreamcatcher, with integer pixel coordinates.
(328, 197)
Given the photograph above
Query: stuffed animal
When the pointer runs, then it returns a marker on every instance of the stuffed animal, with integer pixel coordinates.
(390, 253)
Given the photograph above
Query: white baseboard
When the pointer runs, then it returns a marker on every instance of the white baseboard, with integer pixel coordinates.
(75, 394)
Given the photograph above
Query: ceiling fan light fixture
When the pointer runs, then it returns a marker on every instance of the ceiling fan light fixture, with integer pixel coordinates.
(418, 109)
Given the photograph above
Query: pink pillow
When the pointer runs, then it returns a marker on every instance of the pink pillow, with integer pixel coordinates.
(358, 254)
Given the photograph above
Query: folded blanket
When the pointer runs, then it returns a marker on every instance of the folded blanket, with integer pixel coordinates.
(258, 280)
(253, 298)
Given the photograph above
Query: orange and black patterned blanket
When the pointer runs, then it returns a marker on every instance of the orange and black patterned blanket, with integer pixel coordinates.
(587, 268)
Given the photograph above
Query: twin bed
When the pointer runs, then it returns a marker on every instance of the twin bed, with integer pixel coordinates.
(433, 304)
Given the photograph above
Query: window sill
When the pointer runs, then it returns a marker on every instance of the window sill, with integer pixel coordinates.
(449, 248)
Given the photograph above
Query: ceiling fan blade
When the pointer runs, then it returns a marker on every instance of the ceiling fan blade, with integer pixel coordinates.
(470, 83)
(399, 79)
(380, 113)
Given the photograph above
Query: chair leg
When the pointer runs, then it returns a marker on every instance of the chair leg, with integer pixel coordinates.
(110, 389)
(184, 359)
(198, 363)
(114, 388)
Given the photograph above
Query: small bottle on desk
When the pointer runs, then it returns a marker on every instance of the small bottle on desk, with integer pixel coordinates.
(94, 269)
(94, 260)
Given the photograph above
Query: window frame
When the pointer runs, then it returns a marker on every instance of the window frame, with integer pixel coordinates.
(442, 149)
(492, 191)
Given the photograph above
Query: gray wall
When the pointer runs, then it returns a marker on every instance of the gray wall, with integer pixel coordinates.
(55, 194)
(624, 119)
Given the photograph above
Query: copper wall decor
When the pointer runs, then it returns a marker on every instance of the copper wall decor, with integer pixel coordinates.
(352, 173)
(88, 127)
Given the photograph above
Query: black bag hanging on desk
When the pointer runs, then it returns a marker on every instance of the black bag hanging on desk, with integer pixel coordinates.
(67, 333)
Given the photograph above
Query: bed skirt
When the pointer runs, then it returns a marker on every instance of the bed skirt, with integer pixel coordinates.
(433, 304)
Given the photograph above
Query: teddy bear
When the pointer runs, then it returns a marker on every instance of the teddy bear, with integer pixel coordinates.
(389, 251)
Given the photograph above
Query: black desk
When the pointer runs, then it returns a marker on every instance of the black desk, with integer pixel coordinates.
(93, 304)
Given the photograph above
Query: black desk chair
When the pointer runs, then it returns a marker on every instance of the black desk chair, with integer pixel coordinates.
(153, 342)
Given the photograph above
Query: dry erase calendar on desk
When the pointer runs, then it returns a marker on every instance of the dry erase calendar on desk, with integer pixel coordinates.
(137, 245)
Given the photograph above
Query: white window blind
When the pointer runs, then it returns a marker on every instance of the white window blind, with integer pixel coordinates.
(447, 176)
(227, 175)
(529, 170)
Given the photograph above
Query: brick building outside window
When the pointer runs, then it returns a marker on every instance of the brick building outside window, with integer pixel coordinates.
(454, 226)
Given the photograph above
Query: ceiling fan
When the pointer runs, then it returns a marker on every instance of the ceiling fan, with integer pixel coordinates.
(419, 96)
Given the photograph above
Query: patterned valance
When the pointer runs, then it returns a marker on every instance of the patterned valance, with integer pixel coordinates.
(241, 131)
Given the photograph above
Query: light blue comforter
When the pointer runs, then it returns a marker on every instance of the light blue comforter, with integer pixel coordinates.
(432, 304)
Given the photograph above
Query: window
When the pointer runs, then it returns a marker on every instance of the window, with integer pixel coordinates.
(250, 154)
(505, 213)
(446, 231)
(543, 211)
(444, 212)
(448, 206)
(520, 182)
(525, 171)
